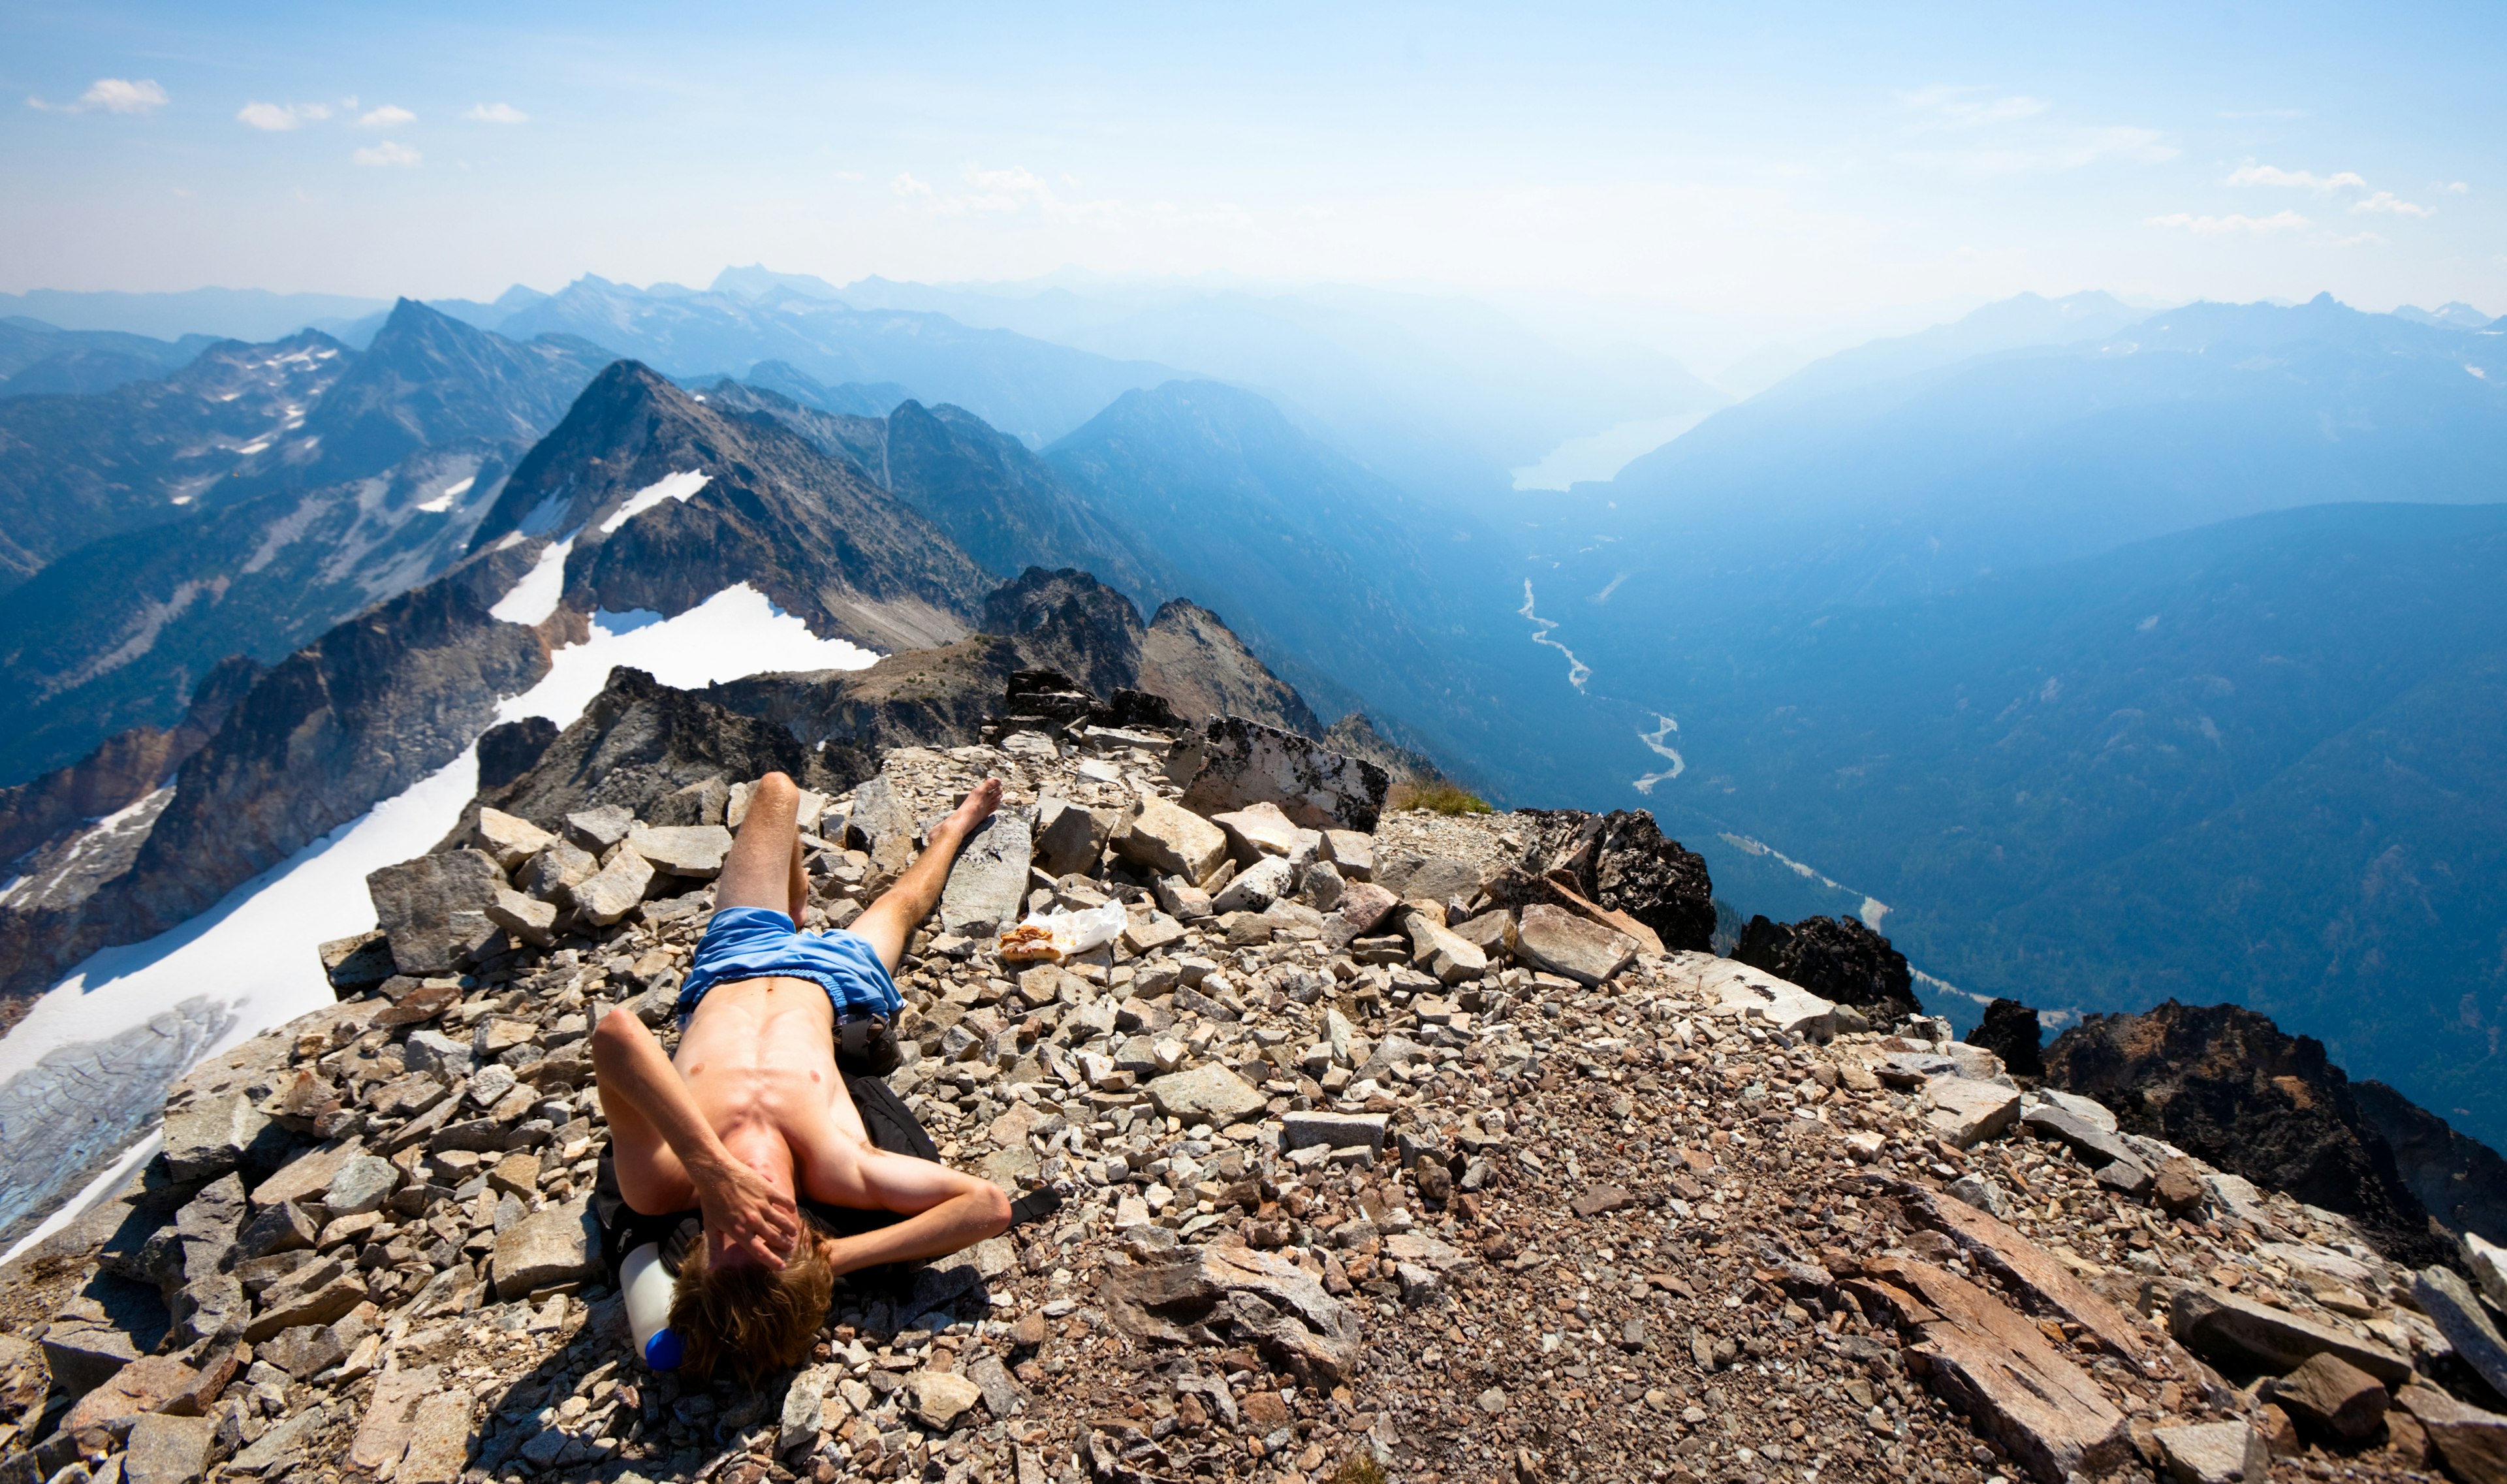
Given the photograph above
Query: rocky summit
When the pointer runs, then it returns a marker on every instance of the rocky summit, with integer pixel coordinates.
(1392, 1144)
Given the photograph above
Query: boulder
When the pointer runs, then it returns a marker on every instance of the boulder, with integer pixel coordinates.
(2333, 1396)
(440, 1440)
(1437, 950)
(1554, 939)
(434, 909)
(1243, 763)
(941, 1398)
(1205, 1094)
(1836, 958)
(1069, 837)
(1171, 840)
(169, 1450)
(1183, 1292)
(555, 1245)
(1352, 851)
(510, 841)
(1621, 861)
(83, 1354)
(2010, 1031)
(2215, 1453)
(804, 1403)
(2472, 1441)
(1429, 877)
(361, 1184)
(987, 881)
(526, 918)
(616, 890)
(598, 828)
(357, 962)
(2210, 1321)
(318, 1293)
(2488, 1264)
(1258, 830)
(2096, 1146)
(211, 1136)
(1364, 905)
(1257, 886)
(683, 850)
(555, 871)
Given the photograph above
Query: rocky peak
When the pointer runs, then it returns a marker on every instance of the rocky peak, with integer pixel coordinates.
(429, 379)
(1192, 658)
(2225, 1083)
(1068, 621)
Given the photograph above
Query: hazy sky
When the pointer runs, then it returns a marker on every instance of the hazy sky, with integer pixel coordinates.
(1784, 165)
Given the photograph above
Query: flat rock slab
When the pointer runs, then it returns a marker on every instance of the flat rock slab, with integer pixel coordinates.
(1557, 940)
(2452, 1305)
(616, 890)
(2096, 1145)
(2032, 1270)
(2000, 1371)
(683, 850)
(988, 882)
(941, 1398)
(1332, 1131)
(1254, 1297)
(2210, 1321)
(1778, 1003)
(1208, 1093)
(1600, 1200)
(1966, 1113)
(1256, 830)
(2215, 1453)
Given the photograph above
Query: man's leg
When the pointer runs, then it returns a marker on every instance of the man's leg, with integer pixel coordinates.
(891, 919)
(764, 866)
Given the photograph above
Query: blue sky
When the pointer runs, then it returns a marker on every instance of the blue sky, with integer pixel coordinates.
(1790, 166)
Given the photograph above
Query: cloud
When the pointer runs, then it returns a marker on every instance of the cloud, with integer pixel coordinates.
(906, 185)
(2454, 188)
(386, 153)
(2360, 240)
(276, 117)
(2387, 204)
(385, 116)
(112, 94)
(496, 113)
(2251, 174)
(2221, 226)
(1960, 108)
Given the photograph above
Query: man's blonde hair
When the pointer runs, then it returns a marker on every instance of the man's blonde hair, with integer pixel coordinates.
(760, 1320)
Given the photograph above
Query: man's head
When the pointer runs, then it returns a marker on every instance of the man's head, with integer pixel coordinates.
(759, 1317)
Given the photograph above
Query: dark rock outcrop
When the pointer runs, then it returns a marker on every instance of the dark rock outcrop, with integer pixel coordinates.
(1836, 958)
(2461, 1181)
(1068, 621)
(1623, 860)
(2225, 1083)
(509, 749)
(2010, 1031)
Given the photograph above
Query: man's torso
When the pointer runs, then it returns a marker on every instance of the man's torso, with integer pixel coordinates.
(760, 1054)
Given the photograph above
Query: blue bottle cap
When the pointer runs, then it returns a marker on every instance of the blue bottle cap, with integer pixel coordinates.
(664, 1351)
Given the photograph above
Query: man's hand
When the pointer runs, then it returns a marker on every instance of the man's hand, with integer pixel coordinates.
(748, 1215)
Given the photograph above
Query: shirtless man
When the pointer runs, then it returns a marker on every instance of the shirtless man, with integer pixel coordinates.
(751, 1115)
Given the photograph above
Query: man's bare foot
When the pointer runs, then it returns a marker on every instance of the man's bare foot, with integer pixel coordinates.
(977, 806)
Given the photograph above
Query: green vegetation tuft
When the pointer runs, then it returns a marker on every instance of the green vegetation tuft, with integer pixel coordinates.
(1440, 796)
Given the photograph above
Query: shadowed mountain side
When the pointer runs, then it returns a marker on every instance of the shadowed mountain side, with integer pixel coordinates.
(123, 768)
(809, 531)
(1069, 622)
(364, 713)
(1192, 658)
(2462, 1181)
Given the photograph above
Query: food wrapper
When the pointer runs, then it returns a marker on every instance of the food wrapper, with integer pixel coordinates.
(1053, 936)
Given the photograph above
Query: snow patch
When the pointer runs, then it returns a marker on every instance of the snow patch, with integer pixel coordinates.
(533, 599)
(669, 487)
(451, 492)
(734, 632)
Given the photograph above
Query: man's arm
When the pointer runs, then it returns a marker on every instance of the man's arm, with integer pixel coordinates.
(648, 1107)
(945, 1209)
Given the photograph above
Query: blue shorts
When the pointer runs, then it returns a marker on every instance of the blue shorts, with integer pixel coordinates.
(760, 943)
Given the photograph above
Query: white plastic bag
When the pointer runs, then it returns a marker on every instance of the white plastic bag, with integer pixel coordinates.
(1072, 934)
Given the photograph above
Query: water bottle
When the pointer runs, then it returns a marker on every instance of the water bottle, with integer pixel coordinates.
(648, 1286)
